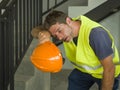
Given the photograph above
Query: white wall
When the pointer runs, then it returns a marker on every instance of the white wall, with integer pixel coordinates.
(0, 1)
(74, 11)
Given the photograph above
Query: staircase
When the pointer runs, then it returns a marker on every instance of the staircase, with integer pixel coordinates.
(54, 81)
(17, 18)
(27, 77)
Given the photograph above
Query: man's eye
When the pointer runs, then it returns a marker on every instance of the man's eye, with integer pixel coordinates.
(59, 30)
(53, 36)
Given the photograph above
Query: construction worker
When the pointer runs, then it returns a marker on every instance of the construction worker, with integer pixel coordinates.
(90, 48)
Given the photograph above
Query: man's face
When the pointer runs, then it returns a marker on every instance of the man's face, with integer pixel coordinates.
(62, 32)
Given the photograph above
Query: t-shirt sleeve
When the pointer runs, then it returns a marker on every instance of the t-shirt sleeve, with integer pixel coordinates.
(100, 43)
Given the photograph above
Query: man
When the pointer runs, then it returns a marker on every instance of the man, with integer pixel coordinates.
(90, 48)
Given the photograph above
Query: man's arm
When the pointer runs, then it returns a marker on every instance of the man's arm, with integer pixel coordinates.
(101, 43)
(108, 73)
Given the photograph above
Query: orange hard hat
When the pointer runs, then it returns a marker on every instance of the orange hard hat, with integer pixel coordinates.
(47, 57)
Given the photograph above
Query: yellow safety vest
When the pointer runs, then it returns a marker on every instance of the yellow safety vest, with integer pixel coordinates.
(82, 56)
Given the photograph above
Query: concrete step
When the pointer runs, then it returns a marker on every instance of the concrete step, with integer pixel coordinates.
(20, 81)
(25, 68)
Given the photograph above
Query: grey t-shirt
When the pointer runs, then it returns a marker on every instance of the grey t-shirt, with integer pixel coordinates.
(100, 43)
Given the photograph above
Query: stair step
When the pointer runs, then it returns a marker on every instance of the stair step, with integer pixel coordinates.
(22, 78)
(25, 68)
(20, 81)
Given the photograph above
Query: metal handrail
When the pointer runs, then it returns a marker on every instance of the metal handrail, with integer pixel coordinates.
(19, 17)
(4, 3)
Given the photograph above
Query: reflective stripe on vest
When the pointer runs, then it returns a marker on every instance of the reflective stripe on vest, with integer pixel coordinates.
(86, 67)
(90, 68)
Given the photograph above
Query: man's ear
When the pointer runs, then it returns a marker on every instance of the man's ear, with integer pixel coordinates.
(68, 20)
